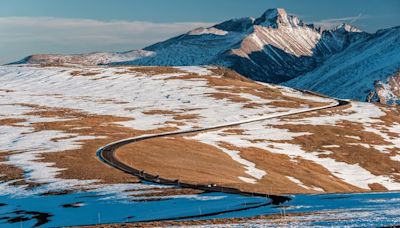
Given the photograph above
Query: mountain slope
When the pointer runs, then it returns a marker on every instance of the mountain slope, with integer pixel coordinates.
(358, 70)
(278, 48)
(275, 47)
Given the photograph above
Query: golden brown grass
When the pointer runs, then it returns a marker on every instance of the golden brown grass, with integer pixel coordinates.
(348, 150)
(9, 172)
(11, 121)
(179, 158)
(83, 73)
(154, 70)
(198, 163)
(161, 156)
(83, 163)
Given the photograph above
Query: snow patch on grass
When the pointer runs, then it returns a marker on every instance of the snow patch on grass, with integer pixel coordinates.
(250, 167)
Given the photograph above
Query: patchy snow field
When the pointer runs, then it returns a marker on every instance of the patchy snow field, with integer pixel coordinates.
(36, 106)
(357, 145)
(53, 120)
(125, 93)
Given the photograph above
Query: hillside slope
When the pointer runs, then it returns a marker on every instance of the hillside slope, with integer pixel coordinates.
(57, 117)
(275, 47)
(362, 68)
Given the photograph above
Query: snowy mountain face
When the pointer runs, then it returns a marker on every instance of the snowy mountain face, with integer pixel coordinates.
(275, 47)
(97, 58)
(364, 71)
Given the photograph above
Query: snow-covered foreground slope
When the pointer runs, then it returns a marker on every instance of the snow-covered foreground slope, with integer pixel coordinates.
(346, 144)
(48, 112)
(53, 120)
(360, 69)
(333, 150)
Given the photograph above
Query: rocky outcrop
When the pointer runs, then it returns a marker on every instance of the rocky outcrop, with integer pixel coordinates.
(386, 93)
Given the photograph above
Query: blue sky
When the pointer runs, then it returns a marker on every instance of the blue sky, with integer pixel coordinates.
(74, 26)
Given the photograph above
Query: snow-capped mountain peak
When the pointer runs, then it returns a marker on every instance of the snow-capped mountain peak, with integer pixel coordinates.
(277, 17)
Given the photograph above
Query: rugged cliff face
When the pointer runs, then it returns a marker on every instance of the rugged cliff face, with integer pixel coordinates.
(386, 92)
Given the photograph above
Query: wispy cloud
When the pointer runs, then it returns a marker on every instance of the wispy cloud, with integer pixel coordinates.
(332, 22)
(71, 34)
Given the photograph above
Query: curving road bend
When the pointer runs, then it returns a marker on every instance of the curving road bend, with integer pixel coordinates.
(107, 155)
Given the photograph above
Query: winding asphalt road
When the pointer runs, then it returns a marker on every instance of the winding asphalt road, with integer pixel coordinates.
(107, 153)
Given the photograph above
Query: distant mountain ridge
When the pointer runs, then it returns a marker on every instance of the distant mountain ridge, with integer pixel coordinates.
(275, 48)
(95, 58)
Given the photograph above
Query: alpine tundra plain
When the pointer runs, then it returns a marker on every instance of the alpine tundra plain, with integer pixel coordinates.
(252, 122)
